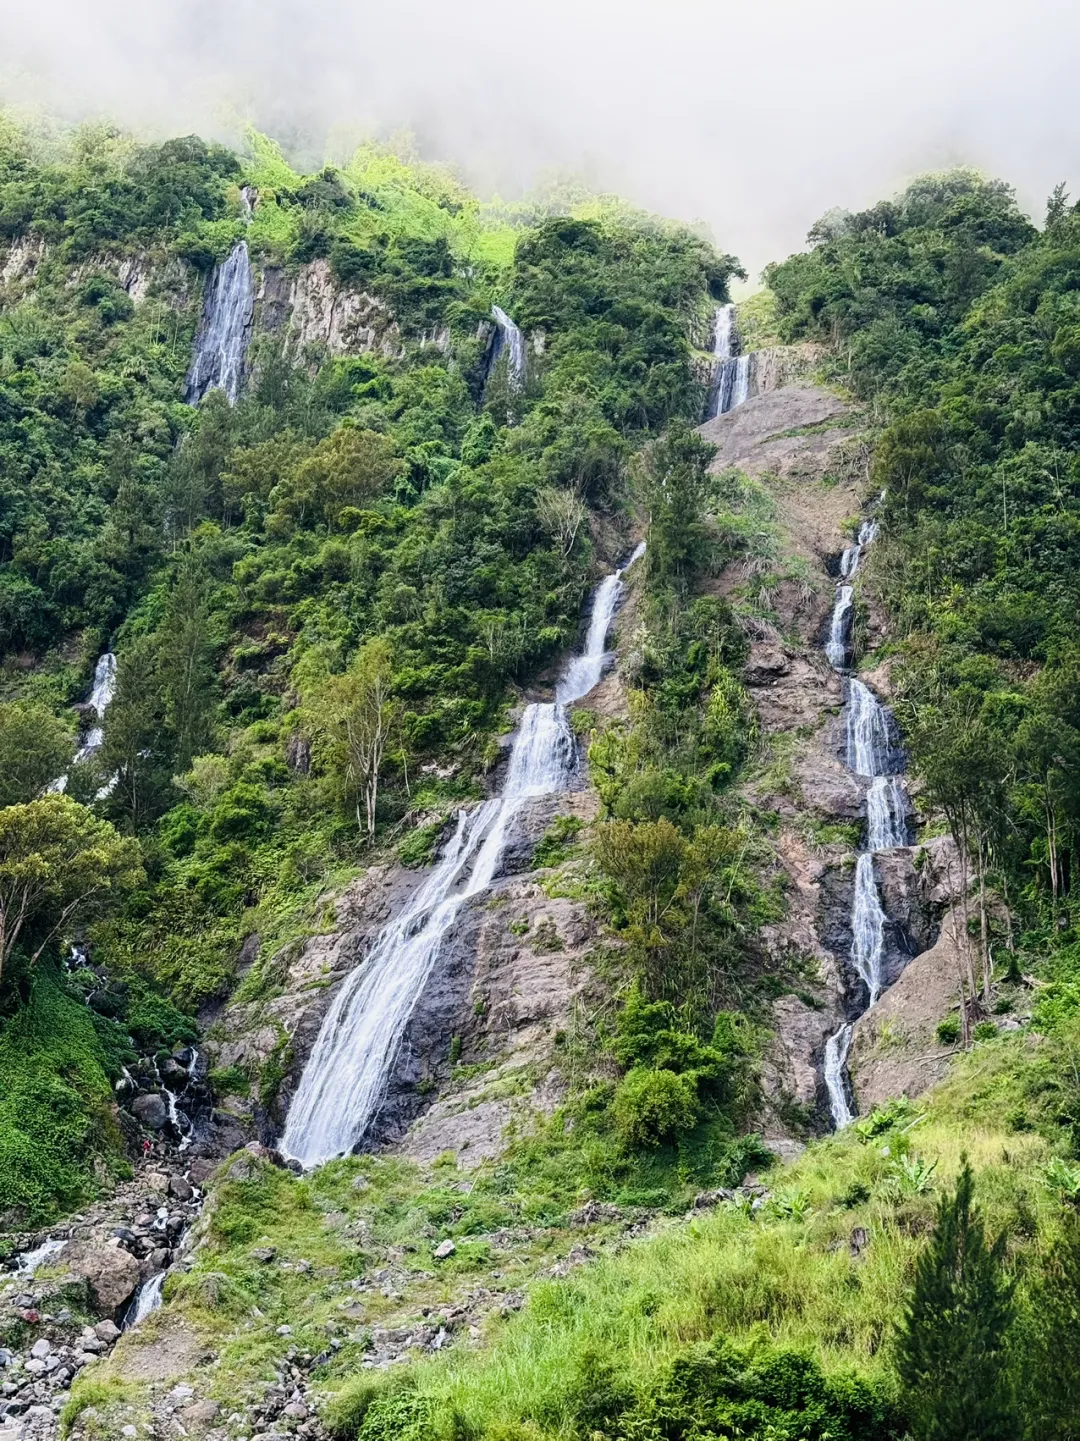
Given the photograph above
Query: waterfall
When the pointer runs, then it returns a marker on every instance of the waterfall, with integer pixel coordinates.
(147, 1299)
(868, 745)
(343, 1081)
(509, 338)
(834, 1071)
(836, 647)
(731, 370)
(869, 752)
(225, 328)
(867, 927)
(102, 691)
(887, 810)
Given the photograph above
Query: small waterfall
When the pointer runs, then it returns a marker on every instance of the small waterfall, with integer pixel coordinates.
(887, 811)
(508, 338)
(836, 647)
(731, 370)
(868, 751)
(225, 329)
(102, 691)
(147, 1299)
(834, 1070)
(343, 1081)
(868, 928)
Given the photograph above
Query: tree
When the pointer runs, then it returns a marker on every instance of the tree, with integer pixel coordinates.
(135, 755)
(35, 748)
(673, 479)
(1051, 1406)
(185, 663)
(56, 860)
(353, 718)
(951, 1350)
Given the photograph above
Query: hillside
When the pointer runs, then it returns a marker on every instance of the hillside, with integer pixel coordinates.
(519, 904)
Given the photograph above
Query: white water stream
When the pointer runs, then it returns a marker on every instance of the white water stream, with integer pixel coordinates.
(512, 341)
(147, 1299)
(225, 329)
(731, 370)
(869, 752)
(343, 1081)
(102, 691)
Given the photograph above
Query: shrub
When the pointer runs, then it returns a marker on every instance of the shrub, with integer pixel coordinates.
(948, 1030)
(654, 1106)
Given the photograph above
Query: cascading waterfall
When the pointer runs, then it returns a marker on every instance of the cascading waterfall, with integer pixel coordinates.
(509, 338)
(869, 752)
(225, 329)
(343, 1081)
(731, 371)
(99, 700)
(836, 647)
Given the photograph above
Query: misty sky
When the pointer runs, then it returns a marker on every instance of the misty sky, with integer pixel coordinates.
(754, 118)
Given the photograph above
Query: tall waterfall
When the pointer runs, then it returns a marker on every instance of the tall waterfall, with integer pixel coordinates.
(868, 752)
(508, 338)
(343, 1081)
(225, 329)
(102, 691)
(731, 370)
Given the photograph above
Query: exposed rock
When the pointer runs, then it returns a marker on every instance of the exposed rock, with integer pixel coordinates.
(312, 310)
(150, 1110)
(111, 1272)
(895, 1050)
(443, 1250)
(756, 430)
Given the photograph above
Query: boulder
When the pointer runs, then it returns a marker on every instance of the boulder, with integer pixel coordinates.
(150, 1110)
(180, 1189)
(111, 1273)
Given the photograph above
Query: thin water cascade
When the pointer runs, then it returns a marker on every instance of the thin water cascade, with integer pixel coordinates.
(102, 691)
(509, 338)
(221, 345)
(147, 1300)
(343, 1082)
(868, 751)
(731, 370)
(834, 1070)
(836, 647)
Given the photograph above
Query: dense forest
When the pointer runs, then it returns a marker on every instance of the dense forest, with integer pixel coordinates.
(326, 602)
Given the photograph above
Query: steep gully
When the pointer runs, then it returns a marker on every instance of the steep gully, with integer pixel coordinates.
(343, 1081)
(871, 752)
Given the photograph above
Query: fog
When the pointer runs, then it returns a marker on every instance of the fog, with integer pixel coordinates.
(753, 119)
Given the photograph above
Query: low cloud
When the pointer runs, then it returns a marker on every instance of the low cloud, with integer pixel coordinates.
(753, 118)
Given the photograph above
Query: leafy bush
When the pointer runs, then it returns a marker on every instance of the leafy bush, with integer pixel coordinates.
(653, 1106)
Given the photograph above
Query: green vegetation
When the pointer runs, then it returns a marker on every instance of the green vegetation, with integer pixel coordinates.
(321, 599)
(955, 317)
(318, 597)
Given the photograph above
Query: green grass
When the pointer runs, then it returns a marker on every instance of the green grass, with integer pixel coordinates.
(787, 1273)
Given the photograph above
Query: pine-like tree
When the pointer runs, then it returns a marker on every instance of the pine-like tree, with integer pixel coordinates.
(951, 1351)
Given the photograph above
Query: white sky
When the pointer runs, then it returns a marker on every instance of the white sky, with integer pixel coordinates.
(754, 118)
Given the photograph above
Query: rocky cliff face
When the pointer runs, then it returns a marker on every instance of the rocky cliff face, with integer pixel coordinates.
(804, 445)
(307, 309)
(481, 1048)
